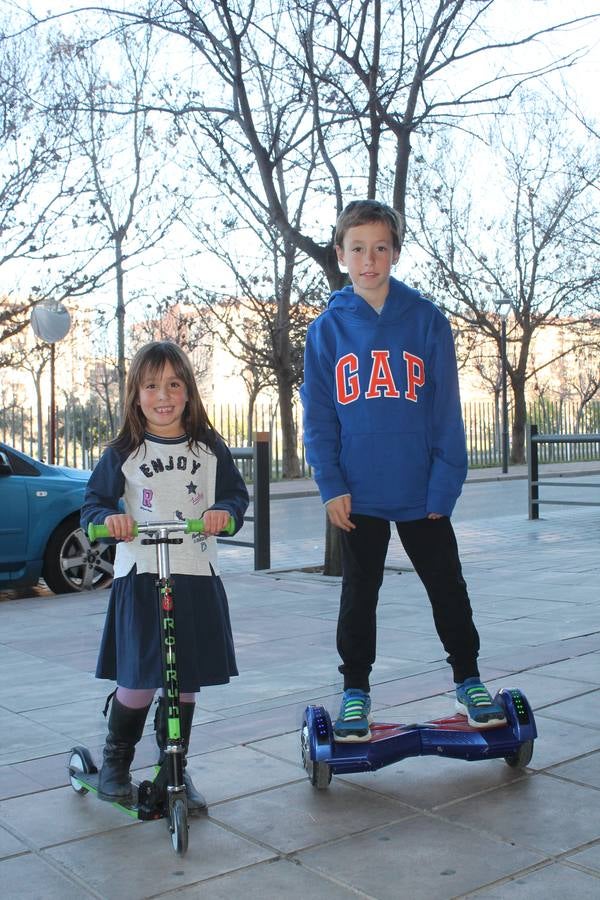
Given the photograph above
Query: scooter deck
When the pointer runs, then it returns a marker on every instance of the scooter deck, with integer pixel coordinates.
(146, 803)
(451, 737)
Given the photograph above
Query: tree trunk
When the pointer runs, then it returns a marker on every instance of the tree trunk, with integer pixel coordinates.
(250, 420)
(517, 454)
(289, 435)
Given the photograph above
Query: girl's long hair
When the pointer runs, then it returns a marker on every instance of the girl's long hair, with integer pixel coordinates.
(150, 360)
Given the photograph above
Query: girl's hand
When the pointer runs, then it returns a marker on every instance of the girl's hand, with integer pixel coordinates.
(215, 520)
(120, 527)
(435, 516)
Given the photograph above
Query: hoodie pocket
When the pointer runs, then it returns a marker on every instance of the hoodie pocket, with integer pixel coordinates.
(386, 470)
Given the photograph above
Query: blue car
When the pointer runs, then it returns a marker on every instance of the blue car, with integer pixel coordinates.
(40, 534)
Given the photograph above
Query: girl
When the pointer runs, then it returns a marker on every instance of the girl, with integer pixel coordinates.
(167, 462)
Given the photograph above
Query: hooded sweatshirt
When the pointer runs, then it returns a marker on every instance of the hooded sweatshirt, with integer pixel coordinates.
(382, 414)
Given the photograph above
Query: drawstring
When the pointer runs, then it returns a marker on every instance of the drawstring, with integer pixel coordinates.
(107, 704)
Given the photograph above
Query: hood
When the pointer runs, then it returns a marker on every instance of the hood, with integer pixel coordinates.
(75, 474)
(399, 301)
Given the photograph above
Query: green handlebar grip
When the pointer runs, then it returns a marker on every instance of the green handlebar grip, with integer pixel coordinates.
(101, 531)
(97, 531)
(193, 525)
(197, 526)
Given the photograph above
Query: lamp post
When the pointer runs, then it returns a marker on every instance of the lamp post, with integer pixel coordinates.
(51, 321)
(503, 307)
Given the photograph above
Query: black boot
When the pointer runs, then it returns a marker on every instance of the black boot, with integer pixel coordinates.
(195, 801)
(125, 727)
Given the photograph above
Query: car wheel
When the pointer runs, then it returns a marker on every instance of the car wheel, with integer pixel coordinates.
(72, 563)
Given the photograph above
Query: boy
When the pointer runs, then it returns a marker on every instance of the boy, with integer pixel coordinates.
(384, 434)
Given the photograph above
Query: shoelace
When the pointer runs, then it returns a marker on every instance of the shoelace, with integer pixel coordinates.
(478, 695)
(353, 709)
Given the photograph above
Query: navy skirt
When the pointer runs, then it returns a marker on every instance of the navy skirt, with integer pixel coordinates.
(130, 651)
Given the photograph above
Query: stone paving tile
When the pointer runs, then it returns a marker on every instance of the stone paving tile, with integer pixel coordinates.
(552, 880)
(588, 858)
(585, 770)
(56, 816)
(267, 881)
(14, 783)
(23, 739)
(584, 668)
(423, 858)
(540, 813)
(542, 691)
(212, 851)
(293, 817)
(51, 689)
(10, 845)
(32, 876)
(27, 777)
(282, 746)
(581, 710)
(560, 741)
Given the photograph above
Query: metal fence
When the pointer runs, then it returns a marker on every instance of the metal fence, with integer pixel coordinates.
(83, 431)
(261, 519)
(535, 441)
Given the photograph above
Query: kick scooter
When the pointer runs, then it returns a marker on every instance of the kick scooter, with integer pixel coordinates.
(451, 737)
(165, 796)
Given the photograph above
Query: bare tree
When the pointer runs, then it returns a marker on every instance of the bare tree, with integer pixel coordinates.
(34, 361)
(256, 380)
(528, 242)
(129, 202)
(36, 186)
(264, 323)
(583, 378)
(175, 319)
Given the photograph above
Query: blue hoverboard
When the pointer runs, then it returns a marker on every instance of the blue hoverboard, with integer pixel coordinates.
(451, 737)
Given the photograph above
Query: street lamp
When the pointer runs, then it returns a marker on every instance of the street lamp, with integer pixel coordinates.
(51, 321)
(503, 306)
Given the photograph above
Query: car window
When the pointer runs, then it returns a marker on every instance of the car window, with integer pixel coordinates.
(19, 466)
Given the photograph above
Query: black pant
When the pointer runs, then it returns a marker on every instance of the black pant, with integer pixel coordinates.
(431, 547)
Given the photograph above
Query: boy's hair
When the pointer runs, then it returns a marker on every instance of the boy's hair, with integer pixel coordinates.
(150, 360)
(362, 212)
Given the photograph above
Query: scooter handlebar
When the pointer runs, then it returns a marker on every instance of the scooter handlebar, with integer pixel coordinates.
(197, 526)
(190, 526)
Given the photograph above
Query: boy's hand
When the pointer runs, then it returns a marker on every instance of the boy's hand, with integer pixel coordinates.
(120, 527)
(435, 516)
(339, 510)
(215, 520)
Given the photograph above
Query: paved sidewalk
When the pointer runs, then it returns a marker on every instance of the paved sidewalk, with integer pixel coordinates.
(422, 828)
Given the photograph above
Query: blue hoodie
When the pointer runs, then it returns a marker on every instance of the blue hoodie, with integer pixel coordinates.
(382, 414)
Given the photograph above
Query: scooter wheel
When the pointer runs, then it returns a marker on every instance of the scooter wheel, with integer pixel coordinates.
(319, 773)
(80, 761)
(521, 756)
(178, 826)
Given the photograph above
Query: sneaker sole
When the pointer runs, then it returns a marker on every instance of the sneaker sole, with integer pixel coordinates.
(352, 738)
(493, 723)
